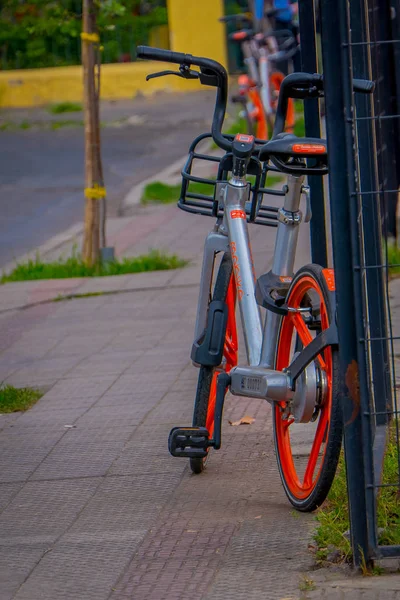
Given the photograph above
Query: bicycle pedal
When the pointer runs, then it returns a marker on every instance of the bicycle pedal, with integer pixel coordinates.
(189, 442)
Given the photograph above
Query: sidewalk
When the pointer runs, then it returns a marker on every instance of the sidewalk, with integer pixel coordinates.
(91, 504)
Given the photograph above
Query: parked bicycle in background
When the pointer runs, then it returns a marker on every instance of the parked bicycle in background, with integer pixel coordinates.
(264, 50)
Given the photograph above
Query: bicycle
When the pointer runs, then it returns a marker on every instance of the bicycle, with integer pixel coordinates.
(259, 89)
(293, 356)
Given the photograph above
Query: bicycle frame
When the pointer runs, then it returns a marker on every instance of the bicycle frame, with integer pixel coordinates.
(232, 234)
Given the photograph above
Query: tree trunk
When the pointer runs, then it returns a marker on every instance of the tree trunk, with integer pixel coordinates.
(91, 236)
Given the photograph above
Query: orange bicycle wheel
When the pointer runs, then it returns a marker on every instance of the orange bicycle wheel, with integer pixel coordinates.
(275, 80)
(308, 429)
(206, 395)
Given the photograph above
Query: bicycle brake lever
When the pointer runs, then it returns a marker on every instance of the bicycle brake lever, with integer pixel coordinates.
(184, 71)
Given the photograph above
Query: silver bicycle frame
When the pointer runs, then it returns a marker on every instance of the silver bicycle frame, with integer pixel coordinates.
(233, 235)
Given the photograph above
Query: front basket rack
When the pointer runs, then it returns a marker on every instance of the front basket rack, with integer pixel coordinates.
(199, 194)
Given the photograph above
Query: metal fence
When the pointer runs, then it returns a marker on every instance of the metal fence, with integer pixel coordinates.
(361, 39)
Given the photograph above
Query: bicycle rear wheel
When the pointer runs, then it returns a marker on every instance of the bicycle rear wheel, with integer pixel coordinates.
(204, 406)
(307, 455)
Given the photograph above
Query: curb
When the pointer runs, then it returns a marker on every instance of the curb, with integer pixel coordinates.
(52, 244)
(78, 296)
(170, 175)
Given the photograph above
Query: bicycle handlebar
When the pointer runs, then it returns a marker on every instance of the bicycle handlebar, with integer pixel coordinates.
(237, 17)
(296, 85)
(207, 66)
(307, 85)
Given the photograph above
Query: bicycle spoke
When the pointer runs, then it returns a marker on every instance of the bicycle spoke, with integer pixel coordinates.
(302, 329)
(315, 450)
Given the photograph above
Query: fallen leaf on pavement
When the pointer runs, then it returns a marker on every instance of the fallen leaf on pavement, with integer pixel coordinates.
(246, 420)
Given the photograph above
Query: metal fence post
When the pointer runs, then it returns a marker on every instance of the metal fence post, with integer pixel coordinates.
(340, 134)
(384, 71)
(309, 64)
(371, 214)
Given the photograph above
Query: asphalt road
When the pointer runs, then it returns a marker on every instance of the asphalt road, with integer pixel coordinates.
(42, 170)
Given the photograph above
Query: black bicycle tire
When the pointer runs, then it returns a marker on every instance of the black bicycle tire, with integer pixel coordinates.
(334, 441)
(197, 465)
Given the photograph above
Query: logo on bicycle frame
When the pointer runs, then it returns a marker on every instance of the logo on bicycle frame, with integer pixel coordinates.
(238, 214)
(236, 270)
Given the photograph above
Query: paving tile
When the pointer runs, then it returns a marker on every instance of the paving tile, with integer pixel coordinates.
(54, 504)
(142, 401)
(148, 280)
(84, 452)
(16, 563)
(104, 364)
(147, 452)
(137, 384)
(123, 508)
(78, 570)
(43, 418)
(80, 387)
(7, 493)
(22, 451)
(115, 416)
(84, 342)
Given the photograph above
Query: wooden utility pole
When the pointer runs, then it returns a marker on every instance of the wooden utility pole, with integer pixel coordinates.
(94, 186)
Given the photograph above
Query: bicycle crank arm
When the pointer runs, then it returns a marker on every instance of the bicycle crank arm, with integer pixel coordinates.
(258, 382)
(194, 442)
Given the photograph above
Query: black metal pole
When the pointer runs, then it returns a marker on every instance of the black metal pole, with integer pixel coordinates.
(372, 226)
(384, 70)
(309, 64)
(340, 135)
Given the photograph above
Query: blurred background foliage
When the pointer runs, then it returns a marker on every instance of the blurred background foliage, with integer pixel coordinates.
(46, 33)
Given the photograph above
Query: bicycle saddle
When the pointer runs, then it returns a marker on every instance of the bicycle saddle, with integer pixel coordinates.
(244, 35)
(288, 144)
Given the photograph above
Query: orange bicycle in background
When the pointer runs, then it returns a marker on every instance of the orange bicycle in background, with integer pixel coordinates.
(259, 88)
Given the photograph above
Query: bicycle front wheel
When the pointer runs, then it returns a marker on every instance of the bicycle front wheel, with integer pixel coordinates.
(206, 395)
(308, 429)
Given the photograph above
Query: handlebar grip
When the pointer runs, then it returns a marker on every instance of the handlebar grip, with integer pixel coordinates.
(365, 86)
(150, 53)
(237, 17)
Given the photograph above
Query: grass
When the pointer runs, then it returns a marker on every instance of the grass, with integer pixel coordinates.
(299, 128)
(65, 123)
(53, 125)
(65, 107)
(75, 267)
(17, 399)
(62, 297)
(10, 126)
(333, 520)
(306, 584)
(239, 126)
(162, 193)
(393, 258)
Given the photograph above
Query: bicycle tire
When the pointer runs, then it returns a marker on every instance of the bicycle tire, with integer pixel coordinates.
(206, 386)
(309, 494)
